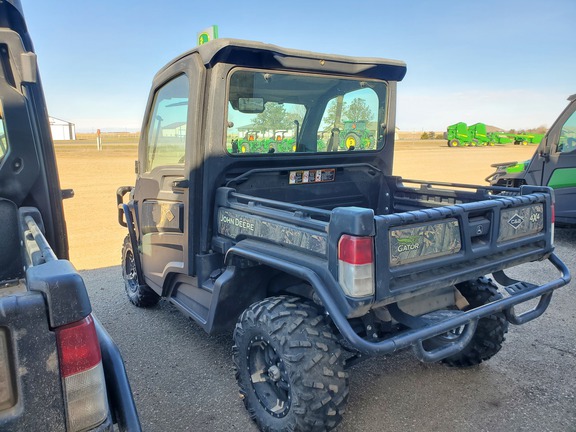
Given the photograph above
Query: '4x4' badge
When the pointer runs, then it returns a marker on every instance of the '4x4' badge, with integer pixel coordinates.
(515, 221)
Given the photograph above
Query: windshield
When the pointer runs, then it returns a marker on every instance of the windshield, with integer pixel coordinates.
(280, 112)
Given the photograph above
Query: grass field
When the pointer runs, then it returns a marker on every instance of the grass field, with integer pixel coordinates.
(95, 236)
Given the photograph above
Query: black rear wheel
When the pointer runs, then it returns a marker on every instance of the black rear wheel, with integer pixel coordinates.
(139, 294)
(489, 335)
(289, 366)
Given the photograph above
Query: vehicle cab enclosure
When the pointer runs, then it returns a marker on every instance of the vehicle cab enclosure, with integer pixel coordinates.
(553, 165)
(335, 111)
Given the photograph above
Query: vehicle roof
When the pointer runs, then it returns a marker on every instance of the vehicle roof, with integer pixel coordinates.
(17, 4)
(258, 54)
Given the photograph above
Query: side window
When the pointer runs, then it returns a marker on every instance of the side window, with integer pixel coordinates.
(166, 134)
(350, 122)
(567, 141)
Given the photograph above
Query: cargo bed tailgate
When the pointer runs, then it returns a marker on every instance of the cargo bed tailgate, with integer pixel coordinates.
(436, 247)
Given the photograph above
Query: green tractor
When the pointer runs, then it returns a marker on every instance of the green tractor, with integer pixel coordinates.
(356, 136)
(251, 143)
(525, 139)
(280, 143)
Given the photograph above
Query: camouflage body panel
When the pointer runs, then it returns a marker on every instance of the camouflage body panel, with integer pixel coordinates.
(521, 221)
(419, 242)
(237, 225)
(161, 216)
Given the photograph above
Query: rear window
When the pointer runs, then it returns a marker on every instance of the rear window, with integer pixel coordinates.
(277, 113)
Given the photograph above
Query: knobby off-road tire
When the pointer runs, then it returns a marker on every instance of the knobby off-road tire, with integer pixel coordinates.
(487, 340)
(138, 293)
(289, 366)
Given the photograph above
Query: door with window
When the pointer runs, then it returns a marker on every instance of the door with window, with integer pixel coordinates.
(162, 185)
(560, 169)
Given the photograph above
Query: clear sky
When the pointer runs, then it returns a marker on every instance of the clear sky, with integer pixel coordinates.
(508, 63)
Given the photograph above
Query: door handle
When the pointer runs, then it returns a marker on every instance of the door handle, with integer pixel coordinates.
(180, 184)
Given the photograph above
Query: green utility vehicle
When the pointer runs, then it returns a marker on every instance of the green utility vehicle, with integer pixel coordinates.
(314, 257)
(553, 165)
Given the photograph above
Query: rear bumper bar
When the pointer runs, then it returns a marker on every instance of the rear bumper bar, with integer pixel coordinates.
(415, 337)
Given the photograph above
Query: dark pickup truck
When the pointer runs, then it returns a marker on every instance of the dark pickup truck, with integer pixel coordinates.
(59, 368)
(303, 243)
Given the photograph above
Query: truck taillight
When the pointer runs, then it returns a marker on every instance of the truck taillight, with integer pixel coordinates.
(82, 374)
(356, 265)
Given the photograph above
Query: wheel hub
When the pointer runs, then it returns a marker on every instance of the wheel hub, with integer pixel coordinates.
(269, 379)
(130, 269)
(274, 373)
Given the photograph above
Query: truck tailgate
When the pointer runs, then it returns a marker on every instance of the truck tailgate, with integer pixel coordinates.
(31, 395)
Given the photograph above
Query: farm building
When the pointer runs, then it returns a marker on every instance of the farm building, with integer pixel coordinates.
(62, 129)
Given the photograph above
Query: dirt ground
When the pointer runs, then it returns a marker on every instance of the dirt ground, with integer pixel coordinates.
(95, 237)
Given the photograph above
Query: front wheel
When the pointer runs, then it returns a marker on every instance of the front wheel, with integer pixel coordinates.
(453, 143)
(138, 293)
(489, 335)
(289, 366)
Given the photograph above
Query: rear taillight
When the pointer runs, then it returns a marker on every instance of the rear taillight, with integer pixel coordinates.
(82, 373)
(356, 265)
